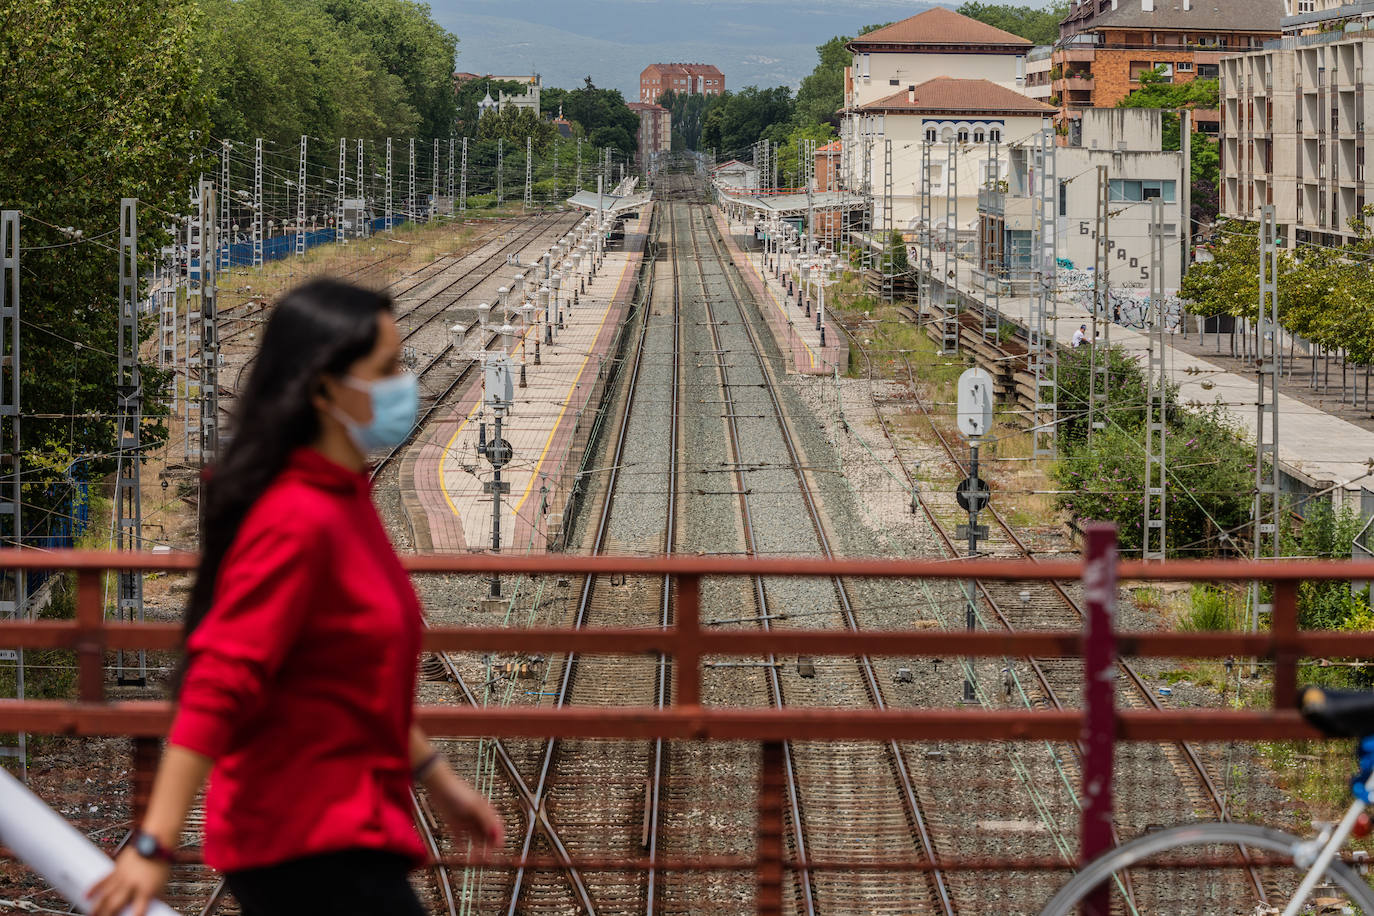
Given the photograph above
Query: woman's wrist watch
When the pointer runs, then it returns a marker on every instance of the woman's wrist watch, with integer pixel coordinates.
(150, 847)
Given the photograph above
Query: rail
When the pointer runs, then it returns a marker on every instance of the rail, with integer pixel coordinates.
(1100, 725)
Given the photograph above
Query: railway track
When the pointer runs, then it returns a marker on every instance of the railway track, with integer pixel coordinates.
(864, 801)
(1057, 683)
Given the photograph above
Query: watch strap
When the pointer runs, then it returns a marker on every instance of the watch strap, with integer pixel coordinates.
(150, 847)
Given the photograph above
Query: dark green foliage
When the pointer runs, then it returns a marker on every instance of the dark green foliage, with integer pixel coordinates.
(1154, 92)
(1211, 468)
(688, 116)
(740, 119)
(602, 114)
(895, 255)
(821, 93)
(101, 101)
(1126, 384)
(514, 125)
(328, 68)
(1040, 26)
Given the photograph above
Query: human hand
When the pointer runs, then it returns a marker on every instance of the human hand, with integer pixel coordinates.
(135, 882)
(462, 808)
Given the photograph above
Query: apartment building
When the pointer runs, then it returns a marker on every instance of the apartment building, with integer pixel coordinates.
(1105, 45)
(937, 78)
(1292, 125)
(693, 79)
(655, 133)
(1128, 143)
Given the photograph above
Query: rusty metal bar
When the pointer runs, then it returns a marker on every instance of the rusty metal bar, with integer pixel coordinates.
(703, 565)
(1283, 625)
(49, 634)
(769, 838)
(90, 637)
(688, 640)
(148, 717)
(1098, 739)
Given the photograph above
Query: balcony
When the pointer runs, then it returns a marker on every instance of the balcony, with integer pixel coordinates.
(1074, 82)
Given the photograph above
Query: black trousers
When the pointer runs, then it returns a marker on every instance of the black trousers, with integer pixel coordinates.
(355, 882)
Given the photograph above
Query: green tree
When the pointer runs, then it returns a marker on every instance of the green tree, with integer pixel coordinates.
(742, 118)
(468, 96)
(1155, 92)
(602, 113)
(821, 93)
(410, 46)
(688, 112)
(514, 125)
(788, 160)
(281, 69)
(1039, 26)
(101, 101)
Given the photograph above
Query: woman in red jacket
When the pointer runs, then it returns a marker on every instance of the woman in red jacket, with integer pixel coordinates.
(303, 633)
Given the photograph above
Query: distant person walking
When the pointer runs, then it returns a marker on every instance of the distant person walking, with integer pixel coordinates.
(302, 639)
(1080, 335)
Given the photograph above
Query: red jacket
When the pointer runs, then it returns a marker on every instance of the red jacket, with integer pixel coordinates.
(300, 682)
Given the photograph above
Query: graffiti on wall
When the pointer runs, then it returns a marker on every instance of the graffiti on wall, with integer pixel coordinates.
(1125, 305)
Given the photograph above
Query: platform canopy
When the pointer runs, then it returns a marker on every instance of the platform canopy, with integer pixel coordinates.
(794, 203)
(609, 203)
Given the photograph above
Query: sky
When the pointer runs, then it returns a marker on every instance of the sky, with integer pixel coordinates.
(753, 42)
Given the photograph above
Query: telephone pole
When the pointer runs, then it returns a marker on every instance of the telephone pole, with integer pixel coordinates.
(1043, 361)
(1099, 363)
(363, 226)
(529, 172)
(224, 218)
(16, 606)
(1156, 533)
(209, 336)
(257, 203)
(993, 245)
(343, 190)
(949, 283)
(1265, 523)
(131, 668)
(463, 182)
(390, 211)
(300, 200)
(411, 210)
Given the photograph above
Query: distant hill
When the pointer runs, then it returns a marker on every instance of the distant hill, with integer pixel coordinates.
(754, 42)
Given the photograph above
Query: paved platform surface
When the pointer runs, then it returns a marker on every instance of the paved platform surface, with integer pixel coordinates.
(546, 428)
(797, 335)
(1323, 450)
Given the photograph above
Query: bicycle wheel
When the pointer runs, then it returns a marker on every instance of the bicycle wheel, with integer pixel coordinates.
(1215, 894)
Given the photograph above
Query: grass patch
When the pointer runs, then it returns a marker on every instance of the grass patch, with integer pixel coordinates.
(1210, 610)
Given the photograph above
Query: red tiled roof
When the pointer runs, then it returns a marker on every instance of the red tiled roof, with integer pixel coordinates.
(956, 95)
(683, 69)
(644, 106)
(940, 26)
(832, 147)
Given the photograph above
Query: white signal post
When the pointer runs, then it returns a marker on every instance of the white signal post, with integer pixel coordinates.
(975, 420)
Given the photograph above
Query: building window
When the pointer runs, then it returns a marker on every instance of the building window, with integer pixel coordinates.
(930, 135)
(894, 82)
(1184, 66)
(947, 135)
(1208, 71)
(995, 135)
(978, 135)
(963, 135)
(1063, 198)
(1133, 191)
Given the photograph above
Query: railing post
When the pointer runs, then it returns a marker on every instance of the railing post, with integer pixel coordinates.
(1283, 624)
(146, 753)
(90, 646)
(688, 625)
(768, 842)
(1099, 701)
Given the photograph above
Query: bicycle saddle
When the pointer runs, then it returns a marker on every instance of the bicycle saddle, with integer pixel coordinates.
(1339, 713)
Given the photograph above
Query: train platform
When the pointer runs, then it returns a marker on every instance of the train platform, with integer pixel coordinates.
(1317, 449)
(796, 334)
(547, 427)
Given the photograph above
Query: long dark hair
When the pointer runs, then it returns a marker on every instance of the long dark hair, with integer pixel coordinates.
(319, 328)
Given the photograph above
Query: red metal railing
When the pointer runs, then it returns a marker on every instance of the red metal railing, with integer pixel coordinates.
(1098, 726)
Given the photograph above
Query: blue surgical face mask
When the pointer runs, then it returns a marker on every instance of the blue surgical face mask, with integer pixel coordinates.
(395, 403)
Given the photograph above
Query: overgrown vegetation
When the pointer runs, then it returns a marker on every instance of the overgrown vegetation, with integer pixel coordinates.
(1158, 91)
(1039, 26)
